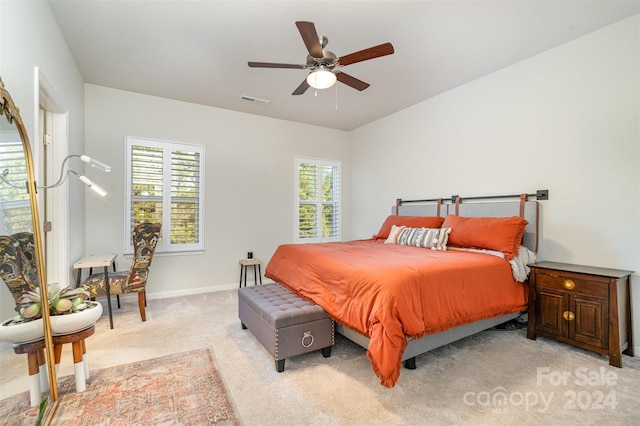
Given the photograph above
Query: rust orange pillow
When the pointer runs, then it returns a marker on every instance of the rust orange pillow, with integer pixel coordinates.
(409, 222)
(494, 233)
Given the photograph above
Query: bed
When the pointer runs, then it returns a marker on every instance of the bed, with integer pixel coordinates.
(402, 293)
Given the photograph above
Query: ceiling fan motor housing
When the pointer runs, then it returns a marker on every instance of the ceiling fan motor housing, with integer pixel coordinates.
(328, 60)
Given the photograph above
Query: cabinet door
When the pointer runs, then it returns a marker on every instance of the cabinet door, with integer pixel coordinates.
(590, 325)
(551, 304)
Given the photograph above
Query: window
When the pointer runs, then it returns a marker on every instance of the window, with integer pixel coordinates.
(15, 209)
(165, 184)
(318, 200)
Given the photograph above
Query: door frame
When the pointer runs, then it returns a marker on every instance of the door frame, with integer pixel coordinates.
(54, 204)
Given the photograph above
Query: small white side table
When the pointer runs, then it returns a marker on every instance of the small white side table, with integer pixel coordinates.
(96, 261)
(244, 264)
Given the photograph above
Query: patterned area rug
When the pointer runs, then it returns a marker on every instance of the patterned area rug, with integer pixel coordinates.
(177, 389)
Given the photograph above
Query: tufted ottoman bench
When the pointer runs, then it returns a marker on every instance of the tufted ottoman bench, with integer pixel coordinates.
(285, 324)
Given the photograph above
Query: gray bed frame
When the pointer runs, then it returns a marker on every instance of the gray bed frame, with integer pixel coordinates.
(459, 206)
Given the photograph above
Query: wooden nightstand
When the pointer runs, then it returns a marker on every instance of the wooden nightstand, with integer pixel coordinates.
(584, 306)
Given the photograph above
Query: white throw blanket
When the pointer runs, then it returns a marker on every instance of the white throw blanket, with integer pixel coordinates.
(518, 263)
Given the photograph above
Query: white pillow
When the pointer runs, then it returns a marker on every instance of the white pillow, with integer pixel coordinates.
(393, 234)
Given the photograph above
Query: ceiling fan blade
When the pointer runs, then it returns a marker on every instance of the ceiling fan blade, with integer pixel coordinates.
(366, 54)
(310, 38)
(273, 65)
(351, 81)
(302, 88)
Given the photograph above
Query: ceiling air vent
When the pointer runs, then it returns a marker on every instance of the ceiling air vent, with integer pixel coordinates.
(254, 100)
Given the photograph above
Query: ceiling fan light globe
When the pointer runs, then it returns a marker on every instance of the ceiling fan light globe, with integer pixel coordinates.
(321, 79)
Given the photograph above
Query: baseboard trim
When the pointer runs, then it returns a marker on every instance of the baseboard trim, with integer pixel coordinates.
(185, 292)
(190, 291)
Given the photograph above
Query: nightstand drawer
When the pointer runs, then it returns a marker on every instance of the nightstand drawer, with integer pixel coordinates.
(572, 283)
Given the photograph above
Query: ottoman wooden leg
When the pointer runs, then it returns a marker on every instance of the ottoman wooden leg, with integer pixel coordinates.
(280, 365)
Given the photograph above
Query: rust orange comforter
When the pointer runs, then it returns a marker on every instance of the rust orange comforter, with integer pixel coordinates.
(391, 292)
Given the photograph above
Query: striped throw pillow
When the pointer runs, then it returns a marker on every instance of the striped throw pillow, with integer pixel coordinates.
(409, 236)
(433, 238)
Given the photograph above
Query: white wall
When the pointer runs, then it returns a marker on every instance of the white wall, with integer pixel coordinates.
(249, 181)
(29, 38)
(567, 120)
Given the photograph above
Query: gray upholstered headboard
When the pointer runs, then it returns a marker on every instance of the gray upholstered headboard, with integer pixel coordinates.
(421, 210)
(480, 209)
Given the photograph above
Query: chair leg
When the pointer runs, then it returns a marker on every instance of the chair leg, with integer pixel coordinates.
(141, 304)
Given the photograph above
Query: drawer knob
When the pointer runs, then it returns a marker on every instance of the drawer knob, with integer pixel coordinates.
(569, 284)
(568, 315)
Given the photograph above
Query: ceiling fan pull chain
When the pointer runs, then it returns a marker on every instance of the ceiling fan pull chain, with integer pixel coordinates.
(336, 96)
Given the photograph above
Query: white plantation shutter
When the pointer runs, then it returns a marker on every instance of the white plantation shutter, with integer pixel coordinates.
(308, 206)
(146, 184)
(15, 210)
(331, 201)
(165, 185)
(185, 197)
(318, 200)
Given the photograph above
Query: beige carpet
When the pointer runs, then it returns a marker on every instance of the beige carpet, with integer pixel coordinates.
(493, 378)
(183, 388)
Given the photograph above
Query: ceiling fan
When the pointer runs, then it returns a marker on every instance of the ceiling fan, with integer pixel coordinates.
(325, 65)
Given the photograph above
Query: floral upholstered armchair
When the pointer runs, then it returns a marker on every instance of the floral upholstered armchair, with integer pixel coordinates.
(28, 250)
(16, 268)
(145, 239)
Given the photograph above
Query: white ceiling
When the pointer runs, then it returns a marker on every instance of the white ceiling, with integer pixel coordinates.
(197, 51)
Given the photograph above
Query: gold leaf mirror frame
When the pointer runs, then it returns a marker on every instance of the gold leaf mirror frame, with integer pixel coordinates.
(11, 113)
